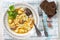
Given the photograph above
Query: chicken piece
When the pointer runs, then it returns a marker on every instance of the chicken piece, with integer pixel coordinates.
(12, 26)
(21, 11)
(21, 31)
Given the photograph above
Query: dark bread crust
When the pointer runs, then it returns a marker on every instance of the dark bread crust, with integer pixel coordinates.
(49, 8)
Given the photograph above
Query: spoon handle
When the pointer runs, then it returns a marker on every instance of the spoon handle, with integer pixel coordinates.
(37, 31)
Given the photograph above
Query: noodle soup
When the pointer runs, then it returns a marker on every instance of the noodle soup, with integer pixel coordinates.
(20, 19)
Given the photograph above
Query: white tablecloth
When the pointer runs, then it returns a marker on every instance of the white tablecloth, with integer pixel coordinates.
(4, 4)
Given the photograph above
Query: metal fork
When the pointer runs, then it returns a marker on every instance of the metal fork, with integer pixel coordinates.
(41, 15)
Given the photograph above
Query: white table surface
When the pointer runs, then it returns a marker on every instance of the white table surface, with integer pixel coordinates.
(1, 29)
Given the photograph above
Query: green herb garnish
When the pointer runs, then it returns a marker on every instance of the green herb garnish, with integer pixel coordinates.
(11, 12)
(12, 8)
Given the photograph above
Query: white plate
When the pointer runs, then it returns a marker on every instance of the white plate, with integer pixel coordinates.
(20, 36)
